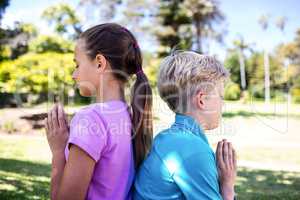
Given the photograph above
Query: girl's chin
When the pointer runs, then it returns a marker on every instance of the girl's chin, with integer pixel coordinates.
(84, 92)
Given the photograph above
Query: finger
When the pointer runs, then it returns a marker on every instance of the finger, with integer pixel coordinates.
(49, 120)
(61, 118)
(46, 124)
(54, 117)
(230, 155)
(225, 153)
(234, 158)
(65, 115)
(220, 154)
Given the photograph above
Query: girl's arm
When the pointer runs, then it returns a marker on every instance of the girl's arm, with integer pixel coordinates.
(69, 180)
(76, 175)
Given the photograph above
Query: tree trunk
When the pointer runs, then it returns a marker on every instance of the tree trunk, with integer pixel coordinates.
(198, 37)
(267, 77)
(242, 69)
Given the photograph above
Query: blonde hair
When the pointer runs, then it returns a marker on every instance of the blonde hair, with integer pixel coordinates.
(183, 73)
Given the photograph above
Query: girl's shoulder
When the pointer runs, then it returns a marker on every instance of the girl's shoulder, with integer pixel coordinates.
(87, 115)
(101, 111)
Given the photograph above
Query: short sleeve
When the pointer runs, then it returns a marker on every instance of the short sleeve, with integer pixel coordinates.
(88, 131)
(197, 178)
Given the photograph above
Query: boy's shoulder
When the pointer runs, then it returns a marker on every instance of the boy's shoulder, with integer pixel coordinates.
(177, 136)
(180, 142)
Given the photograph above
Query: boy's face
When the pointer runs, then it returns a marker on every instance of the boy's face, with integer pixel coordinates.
(212, 106)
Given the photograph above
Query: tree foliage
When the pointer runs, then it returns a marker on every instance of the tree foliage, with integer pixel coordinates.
(36, 73)
(64, 19)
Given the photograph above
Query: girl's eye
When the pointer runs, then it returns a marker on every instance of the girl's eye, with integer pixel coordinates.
(76, 66)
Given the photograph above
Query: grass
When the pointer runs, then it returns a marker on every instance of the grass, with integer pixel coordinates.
(24, 168)
(25, 174)
(24, 180)
(267, 185)
(25, 159)
(246, 114)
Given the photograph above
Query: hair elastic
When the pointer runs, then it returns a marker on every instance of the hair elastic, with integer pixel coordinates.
(140, 70)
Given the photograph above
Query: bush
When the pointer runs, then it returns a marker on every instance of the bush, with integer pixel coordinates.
(232, 92)
(37, 73)
(296, 95)
(45, 43)
(257, 92)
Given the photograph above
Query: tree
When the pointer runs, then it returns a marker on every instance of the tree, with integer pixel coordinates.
(37, 73)
(264, 22)
(281, 23)
(47, 43)
(14, 41)
(173, 20)
(64, 19)
(186, 23)
(204, 14)
(291, 52)
(241, 46)
(103, 9)
(3, 5)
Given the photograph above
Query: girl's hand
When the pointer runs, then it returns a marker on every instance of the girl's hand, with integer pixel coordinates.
(227, 168)
(57, 130)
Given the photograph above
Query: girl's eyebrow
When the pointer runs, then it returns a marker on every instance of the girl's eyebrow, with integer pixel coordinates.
(74, 60)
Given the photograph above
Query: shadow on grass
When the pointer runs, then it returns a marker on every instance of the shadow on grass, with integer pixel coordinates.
(254, 114)
(24, 180)
(28, 180)
(266, 185)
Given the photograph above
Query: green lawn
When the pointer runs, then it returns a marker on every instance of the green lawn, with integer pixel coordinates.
(25, 174)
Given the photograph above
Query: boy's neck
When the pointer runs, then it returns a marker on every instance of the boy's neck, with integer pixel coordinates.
(199, 118)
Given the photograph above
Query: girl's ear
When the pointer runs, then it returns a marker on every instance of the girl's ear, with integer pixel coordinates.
(101, 62)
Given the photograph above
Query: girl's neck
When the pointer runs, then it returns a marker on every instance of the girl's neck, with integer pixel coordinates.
(112, 92)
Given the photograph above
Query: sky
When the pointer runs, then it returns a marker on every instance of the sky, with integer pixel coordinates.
(241, 19)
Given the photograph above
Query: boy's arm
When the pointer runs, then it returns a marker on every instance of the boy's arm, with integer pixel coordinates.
(227, 167)
(197, 177)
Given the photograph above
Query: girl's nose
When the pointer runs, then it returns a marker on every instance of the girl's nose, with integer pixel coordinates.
(74, 75)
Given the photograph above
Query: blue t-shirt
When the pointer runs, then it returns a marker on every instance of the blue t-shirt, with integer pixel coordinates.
(180, 165)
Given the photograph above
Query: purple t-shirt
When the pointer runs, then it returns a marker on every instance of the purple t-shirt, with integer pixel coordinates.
(103, 131)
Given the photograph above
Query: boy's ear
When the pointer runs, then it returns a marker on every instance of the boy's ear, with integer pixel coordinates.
(101, 62)
(199, 100)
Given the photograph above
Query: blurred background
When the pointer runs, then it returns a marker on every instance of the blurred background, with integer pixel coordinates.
(258, 41)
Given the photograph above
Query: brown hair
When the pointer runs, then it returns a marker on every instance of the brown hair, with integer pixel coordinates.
(120, 48)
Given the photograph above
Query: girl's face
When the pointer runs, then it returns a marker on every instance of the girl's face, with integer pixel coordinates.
(86, 73)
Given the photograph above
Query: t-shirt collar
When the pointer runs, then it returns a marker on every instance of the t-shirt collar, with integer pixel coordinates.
(189, 123)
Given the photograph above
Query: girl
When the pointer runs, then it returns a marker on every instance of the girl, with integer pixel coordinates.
(95, 159)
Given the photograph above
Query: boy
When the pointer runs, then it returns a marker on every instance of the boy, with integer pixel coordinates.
(181, 164)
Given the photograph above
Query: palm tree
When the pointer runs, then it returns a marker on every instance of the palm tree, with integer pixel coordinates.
(281, 23)
(204, 13)
(240, 45)
(264, 22)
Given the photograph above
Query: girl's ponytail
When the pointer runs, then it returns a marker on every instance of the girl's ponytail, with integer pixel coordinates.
(141, 104)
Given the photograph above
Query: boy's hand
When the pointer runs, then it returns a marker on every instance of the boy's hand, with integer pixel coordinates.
(57, 130)
(227, 168)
